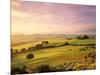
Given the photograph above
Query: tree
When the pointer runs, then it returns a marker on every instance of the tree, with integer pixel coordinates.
(38, 46)
(30, 56)
(31, 48)
(23, 50)
(66, 43)
(85, 37)
(45, 42)
(82, 37)
(12, 50)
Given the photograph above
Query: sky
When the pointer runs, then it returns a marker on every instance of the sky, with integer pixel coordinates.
(30, 17)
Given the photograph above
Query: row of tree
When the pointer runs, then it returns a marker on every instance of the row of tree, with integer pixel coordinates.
(38, 46)
(82, 37)
(42, 45)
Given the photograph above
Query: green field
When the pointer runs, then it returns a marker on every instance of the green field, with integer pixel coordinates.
(57, 56)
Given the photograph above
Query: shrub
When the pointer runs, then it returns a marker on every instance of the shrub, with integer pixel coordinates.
(15, 70)
(43, 68)
(82, 49)
(91, 66)
(93, 47)
(60, 68)
(31, 48)
(45, 42)
(90, 57)
(12, 50)
(19, 70)
(66, 43)
(80, 67)
(70, 69)
(38, 46)
(30, 56)
(86, 47)
(23, 50)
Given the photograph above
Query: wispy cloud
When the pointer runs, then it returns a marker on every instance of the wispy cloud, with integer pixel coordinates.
(42, 17)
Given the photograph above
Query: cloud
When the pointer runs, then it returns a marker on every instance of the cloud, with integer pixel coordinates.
(38, 17)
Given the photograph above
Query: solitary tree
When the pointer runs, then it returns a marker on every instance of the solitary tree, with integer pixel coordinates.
(30, 56)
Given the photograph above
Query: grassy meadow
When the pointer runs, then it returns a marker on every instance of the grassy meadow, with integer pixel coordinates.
(52, 53)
